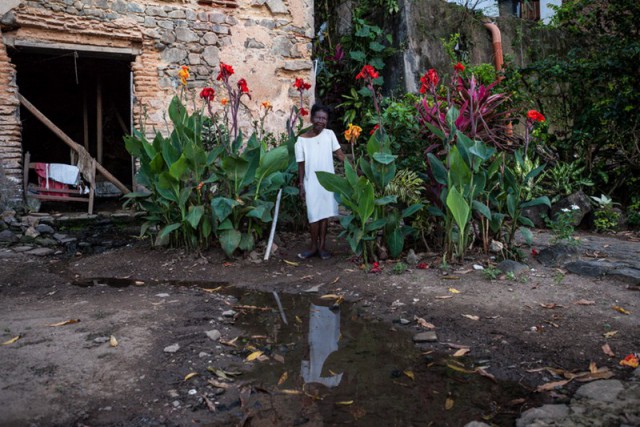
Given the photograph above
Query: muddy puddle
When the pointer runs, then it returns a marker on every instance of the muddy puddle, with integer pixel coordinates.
(320, 361)
(333, 364)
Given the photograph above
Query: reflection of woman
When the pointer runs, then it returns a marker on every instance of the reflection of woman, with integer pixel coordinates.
(314, 152)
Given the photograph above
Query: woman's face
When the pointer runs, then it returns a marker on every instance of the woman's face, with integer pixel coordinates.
(319, 121)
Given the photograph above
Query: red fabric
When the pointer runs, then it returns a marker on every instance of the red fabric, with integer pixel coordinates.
(41, 171)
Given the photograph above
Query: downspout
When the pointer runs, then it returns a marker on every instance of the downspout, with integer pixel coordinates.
(498, 59)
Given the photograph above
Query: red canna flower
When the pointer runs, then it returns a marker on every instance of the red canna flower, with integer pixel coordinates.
(301, 85)
(422, 266)
(242, 85)
(534, 252)
(367, 71)
(535, 116)
(376, 268)
(207, 94)
(429, 80)
(225, 71)
(458, 67)
(375, 128)
(303, 112)
(631, 360)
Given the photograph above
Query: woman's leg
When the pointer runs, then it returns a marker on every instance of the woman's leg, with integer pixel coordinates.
(315, 228)
(322, 233)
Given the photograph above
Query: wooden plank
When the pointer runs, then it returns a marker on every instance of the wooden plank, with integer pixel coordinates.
(25, 174)
(55, 190)
(71, 143)
(59, 198)
(85, 119)
(99, 135)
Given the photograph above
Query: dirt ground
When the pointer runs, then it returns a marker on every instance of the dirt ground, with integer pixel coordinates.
(73, 375)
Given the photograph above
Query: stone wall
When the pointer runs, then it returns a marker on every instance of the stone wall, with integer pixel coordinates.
(268, 42)
(10, 145)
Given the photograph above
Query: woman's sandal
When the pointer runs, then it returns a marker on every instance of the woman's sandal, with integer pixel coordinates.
(325, 254)
(307, 254)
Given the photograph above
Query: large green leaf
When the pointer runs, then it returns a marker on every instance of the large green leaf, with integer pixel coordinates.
(194, 215)
(247, 242)
(386, 200)
(366, 200)
(438, 169)
(412, 209)
(543, 200)
(384, 158)
(459, 208)
(261, 212)
(167, 230)
(235, 169)
(395, 242)
(222, 207)
(230, 240)
(482, 209)
(335, 183)
(275, 160)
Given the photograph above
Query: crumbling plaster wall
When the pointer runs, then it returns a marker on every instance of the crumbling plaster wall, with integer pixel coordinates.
(268, 42)
(424, 24)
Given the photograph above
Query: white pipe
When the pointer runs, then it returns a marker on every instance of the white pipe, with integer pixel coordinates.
(273, 226)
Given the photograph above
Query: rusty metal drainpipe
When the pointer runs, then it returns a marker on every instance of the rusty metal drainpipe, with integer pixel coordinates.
(498, 59)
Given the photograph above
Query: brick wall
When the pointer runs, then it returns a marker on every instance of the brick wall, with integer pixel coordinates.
(10, 145)
(268, 42)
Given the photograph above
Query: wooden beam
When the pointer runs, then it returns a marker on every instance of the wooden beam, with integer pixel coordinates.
(99, 136)
(85, 119)
(71, 143)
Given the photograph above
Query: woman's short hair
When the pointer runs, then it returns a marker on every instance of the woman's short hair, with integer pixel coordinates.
(320, 107)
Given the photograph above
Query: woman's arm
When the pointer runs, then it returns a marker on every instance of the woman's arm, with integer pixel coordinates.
(338, 154)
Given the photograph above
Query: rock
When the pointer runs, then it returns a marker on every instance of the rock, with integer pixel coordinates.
(588, 268)
(40, 251)
(546, 413)
(404, 322)
(24, 248)
(602, 391)
(427, 336)
(185, 35)
(7, 236)
(412, 258)
(636, 373)
(277, 7)
(229, 313)
(211, 55)
(214, 334)
(557, 255)
(313, 289)
(174, 55)
(578, 199)
(626, 274)
(176, 403)
(45, 229)
(496, 247)
(163, 295)
(476, 424)
(101, 340)
(210, 39)
(478, 267)
(510, 266)
(173, 394)
(172, 348)
(537, 214)
(203, 354)
(31, 233)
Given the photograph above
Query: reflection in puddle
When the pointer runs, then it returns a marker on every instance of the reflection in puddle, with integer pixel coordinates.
(344, 367)
(324, 333)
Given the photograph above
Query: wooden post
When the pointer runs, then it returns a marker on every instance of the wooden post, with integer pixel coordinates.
(70, 142)
(85, 119)
(99, 120)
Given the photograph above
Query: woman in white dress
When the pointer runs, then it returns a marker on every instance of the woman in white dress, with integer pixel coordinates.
(315, 150)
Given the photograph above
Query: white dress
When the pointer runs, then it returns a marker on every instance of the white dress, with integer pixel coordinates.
(317, 155)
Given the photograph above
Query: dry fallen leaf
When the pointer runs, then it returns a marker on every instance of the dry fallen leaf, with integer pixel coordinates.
(335, 280)
(254, 355)
(409, 374)
(593, 368)
(607, 350)
(189, 376)
(113, 342)
(210, 404)
(486, 374)
(345, 403)
(550, 305)
(211, 290)
(330, 296)
(298, 319)
(584, 302)
(287, 391)
(11, 341)
(231, 343)
(460, 369)
(278, 358)
(471, 316)
(610, 334)
(66, 322)
(454, 291)
(294, 264)
(218, 384)
(283, 377)
(444, 297)
(448, 404)
(621, 310)
(424, 323)
(552, 385)
(461, 352)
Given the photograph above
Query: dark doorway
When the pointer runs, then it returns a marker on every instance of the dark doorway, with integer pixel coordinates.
(80, 93)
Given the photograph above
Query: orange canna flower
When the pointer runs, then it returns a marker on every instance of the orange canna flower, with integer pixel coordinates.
(224, 101)
(266, 105)
(183, 74)
(352, 133)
